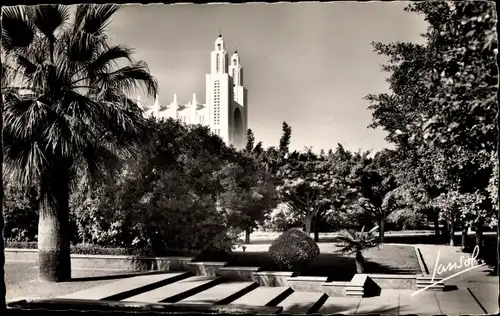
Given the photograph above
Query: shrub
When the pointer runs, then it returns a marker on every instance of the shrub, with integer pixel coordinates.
(293, 249)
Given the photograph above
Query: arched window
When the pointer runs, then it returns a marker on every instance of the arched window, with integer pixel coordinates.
(219, 46)
(218, 62)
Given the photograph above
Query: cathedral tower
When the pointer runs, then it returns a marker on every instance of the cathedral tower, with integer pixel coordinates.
(226, 97)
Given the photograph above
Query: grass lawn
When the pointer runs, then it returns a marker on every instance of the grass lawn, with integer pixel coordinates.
(388, 259)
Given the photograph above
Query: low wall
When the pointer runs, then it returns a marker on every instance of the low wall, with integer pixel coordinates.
(205, 268)
(238, 273)
(272, 278)
(395, 281)
(125, 263)
(307, 283)
(335, 288)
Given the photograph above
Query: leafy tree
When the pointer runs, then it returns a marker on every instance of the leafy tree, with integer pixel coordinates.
(249, 193)
(305, 185)
(65, 109)
(342, 190)
(376, 186)
(443, 101)
(170, 199)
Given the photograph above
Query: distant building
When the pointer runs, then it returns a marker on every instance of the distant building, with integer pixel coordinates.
(226, 107)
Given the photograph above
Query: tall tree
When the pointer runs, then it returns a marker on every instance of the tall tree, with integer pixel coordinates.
(250, 141)
(284, 147)
(66, 110)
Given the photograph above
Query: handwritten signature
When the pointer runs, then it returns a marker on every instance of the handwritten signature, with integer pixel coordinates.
(463, 262)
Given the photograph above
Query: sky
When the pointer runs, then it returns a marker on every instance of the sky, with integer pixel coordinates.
(309, 64)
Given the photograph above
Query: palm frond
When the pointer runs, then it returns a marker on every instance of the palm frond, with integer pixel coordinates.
(48, 18)
(130, 78)
(17, 30)
(106, 59)
(94, 18)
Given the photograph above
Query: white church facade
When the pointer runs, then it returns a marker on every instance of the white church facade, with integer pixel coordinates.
(225, 110)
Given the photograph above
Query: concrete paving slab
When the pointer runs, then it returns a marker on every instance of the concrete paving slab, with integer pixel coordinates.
(124, 285)
(171, 290)
(487, 295)
(386, 303)
(301, 302)
(263, 296)
(219, 292)
(340, 305)
(424, 303)
(458, 302)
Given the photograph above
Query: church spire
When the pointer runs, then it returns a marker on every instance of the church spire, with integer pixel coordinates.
(219, 57)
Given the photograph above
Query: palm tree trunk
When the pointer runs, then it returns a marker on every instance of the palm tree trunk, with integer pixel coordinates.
(53, 230)
(2, 222)
(360, 263)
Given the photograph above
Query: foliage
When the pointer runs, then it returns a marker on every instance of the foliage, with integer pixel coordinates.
(20, 212)
(281, 219)
(293, 249)
(442, 109)
(351, 241)
(249, 193)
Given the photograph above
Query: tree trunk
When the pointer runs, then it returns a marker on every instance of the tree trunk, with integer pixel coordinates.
(53, 234)
(436, 225)
(247, 236)
(316, 230)
(382, 227)
(446, 232)
(464, 236)
(2, 222)
(479, 238)
(360, 263)
(452, 234)
(307, 223)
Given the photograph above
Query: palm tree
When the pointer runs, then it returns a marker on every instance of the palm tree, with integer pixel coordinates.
(66, 110)
(352, 242)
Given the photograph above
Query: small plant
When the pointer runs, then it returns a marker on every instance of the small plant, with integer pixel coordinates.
(293, 249)
(352, 242)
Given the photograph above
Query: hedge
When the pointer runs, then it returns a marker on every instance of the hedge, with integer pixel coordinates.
(88, 249)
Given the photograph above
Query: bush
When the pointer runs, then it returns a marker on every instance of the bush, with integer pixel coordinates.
(293, 249)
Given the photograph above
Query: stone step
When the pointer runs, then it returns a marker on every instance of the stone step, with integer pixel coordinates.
(222, 293)
(177, 291)
(424, 284)
(264, 296)
(126, 307)
(303, 302)
(128, 287)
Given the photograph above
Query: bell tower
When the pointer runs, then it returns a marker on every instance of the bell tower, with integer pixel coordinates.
(226, 96)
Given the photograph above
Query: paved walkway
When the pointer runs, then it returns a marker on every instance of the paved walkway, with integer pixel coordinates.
(478, 281)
